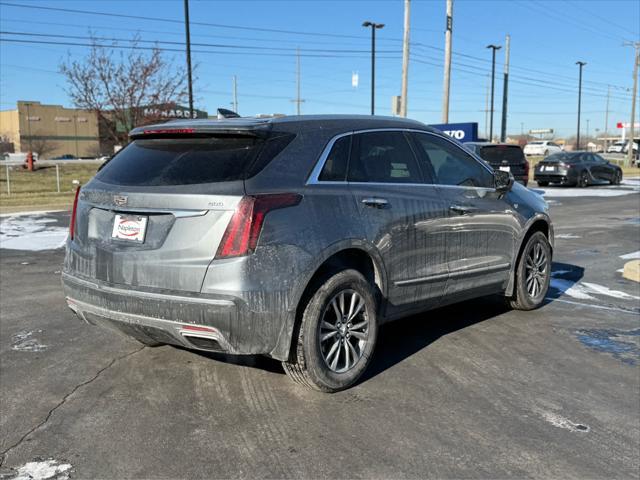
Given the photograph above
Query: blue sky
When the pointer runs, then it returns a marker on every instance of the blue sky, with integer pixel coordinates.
(547, 38)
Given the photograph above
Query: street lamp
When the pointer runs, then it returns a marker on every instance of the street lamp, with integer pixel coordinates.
(493, 79)
(373, 26)
(580, 65)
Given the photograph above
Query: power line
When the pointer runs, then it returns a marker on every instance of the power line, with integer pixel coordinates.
(164, 49)
(168, 42)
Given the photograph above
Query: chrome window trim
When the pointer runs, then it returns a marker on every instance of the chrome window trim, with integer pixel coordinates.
(313, 178)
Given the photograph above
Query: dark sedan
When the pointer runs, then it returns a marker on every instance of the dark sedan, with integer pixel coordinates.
(576, 168)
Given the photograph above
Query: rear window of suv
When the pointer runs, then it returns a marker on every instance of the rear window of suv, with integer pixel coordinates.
(498, 153)
(189, 161)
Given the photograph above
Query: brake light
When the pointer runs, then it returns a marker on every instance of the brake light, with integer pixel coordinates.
(72, 224)
(243, 231)
(169, 131)
(526, 168)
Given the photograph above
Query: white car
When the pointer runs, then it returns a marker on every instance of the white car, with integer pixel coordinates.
(541, 147)
(625, 148)
(616, 147)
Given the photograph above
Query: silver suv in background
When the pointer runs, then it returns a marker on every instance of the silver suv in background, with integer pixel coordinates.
(297, 237)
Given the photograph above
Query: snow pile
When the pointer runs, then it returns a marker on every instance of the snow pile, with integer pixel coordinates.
(32, 233)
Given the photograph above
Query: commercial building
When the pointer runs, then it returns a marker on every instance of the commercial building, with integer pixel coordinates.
(50, 130)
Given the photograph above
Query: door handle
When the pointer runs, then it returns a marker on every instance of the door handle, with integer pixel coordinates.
(375, 202)
(462, 209)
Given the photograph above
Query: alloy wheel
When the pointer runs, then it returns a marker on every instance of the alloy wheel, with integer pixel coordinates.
(536, 269)
(344, 331)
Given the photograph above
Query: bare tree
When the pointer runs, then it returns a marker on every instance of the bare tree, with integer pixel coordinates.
(119, 84)
(43, 147)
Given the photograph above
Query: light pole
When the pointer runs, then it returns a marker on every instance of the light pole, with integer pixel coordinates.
(580, 65)
(373, 26)
(188, 35)
(493, 79)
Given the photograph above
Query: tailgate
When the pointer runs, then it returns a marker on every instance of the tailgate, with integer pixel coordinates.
(179, 239)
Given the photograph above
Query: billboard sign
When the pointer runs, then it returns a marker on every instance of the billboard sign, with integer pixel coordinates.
(463, 132)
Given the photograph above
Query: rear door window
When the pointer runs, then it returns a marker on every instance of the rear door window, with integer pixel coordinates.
(188, 161)
(451, 164)
(383, 157)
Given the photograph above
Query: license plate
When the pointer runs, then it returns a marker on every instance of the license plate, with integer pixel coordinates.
(549, 169)
(129, 227)
(505, 169)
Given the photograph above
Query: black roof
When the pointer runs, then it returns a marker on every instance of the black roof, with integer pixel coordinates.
(294, 123)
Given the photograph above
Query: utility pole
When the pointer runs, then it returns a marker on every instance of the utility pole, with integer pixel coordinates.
(447, 62)
(580, 65)
(493, 81)
(188, 34)
(235, 94)
(606, 119)
(298, 101)
(505, 89)
(588, 129)
(486, 109)
(405, 58)
(633, 102)
(373, 26)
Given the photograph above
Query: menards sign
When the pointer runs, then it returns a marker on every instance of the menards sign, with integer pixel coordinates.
(172, 112)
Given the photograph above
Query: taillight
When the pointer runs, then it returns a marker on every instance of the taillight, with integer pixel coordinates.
(243, 231)
(526, 168)
(72, 224)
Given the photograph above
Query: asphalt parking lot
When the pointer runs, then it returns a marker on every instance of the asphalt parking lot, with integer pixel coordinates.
(470, 391)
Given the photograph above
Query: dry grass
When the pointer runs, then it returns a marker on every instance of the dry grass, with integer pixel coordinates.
(38, 189)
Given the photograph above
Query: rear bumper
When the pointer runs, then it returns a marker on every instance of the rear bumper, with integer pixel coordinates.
(202, 322)
(564, 178)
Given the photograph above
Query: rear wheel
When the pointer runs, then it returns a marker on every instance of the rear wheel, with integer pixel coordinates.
(583, 179)
(337, 334)
(542, 184)
(533, 273)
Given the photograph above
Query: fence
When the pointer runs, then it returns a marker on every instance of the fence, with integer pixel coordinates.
(50, 179)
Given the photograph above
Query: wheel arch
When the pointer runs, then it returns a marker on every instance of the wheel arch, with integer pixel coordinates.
(354, 254)
(539, 223)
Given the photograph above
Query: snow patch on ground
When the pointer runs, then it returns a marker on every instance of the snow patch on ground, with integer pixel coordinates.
(31, 233)
(561, 422)
(568, 192)
(631, 256)
(24, 342)
(44, 470)
(585, 290)
(570, 288)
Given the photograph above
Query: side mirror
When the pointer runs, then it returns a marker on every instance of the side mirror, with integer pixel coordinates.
(502, 181)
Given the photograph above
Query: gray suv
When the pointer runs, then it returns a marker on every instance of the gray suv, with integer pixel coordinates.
(297, 237)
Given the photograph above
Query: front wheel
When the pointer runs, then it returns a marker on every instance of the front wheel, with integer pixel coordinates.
(583, 180)
(617, 178)
(337, 334)
(533, 273)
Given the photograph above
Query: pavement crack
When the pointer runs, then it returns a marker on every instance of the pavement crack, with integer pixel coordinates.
(3, 454)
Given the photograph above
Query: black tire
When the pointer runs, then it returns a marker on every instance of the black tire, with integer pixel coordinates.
(307, 365)
(542, 184)
(522, 298)
(583, 179)
(617, 178)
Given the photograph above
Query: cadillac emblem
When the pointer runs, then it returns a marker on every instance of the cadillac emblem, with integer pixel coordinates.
(120, 200)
